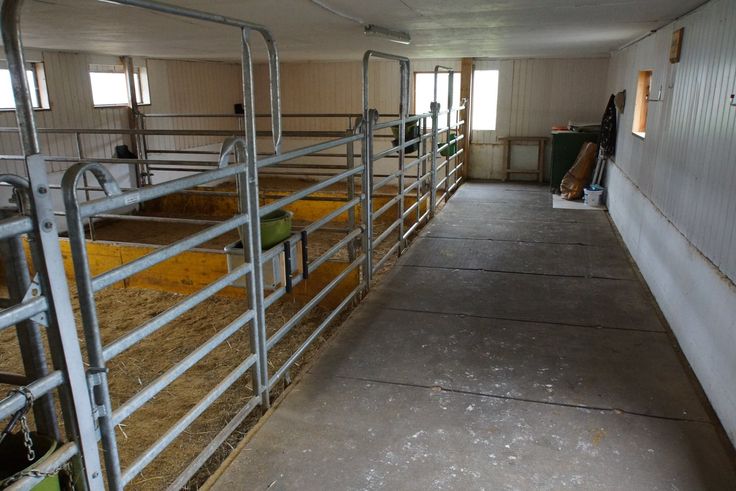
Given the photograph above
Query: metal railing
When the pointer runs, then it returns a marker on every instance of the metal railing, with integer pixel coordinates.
(370, 238)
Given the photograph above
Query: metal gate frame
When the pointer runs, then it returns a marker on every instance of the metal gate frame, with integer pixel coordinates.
(85, 395)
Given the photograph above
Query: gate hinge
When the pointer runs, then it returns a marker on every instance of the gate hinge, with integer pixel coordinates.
(95, 378)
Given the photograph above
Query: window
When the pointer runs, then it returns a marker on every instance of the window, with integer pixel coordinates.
(641, 107)
(485, 100)
(110, 88)
(36, 83)
(424, 91)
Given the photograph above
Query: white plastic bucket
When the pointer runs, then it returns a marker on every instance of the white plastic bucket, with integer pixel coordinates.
(594, 197)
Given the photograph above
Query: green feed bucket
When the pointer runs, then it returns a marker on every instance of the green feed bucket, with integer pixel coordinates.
(451, 148)
(13, 459)
(275, 228)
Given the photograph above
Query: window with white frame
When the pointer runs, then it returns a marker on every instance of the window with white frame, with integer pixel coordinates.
(110, 88)
(424, 91)
(36, 77)
(484, 100)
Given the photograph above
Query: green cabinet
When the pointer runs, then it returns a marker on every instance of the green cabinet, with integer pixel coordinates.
(565, 148)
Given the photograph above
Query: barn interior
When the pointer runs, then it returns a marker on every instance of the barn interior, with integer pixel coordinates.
(400, 244)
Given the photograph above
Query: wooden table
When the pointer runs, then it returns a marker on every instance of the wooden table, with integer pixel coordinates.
(509, 141)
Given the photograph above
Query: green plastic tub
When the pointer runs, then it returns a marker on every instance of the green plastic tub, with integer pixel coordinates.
(275, 228)
(13, 459)
(449, 149)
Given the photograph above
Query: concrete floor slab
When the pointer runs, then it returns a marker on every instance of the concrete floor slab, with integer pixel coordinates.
(453, 378)
(520, 194)
(520, 257)
(532, 213)
(475, 227)
(338, 433)
(556, 299)
(636, 372)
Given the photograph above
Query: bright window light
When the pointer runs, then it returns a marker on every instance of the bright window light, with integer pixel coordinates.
(485, 99)
(109, 87)
(7, 100)
(424, 92)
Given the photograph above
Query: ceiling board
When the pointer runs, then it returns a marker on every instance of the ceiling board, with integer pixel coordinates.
(306, 31)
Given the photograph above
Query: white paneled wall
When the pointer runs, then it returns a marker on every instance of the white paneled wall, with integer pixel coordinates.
(191, 87)
(533, 96)
(176, 86)
(672, 195)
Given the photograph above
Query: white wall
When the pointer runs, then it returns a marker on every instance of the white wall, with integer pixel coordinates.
(533, 96)
(176, 86)
(672, 195)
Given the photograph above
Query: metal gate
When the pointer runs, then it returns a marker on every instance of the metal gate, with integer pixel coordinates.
(425, 166)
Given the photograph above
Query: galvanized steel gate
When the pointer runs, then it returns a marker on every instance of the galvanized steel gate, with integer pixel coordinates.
(44, 301)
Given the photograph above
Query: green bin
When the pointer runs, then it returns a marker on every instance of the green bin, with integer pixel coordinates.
(13, 459)
(275, 228)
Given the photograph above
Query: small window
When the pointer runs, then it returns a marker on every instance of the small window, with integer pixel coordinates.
(485, 100)
(641, 107)
(110, 88)
(424, 91)
(36, 83)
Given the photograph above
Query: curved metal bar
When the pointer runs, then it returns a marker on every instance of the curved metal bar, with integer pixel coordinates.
(70, 181)
(90, 323)
(437, 68)
(405, 67)
(21, 189)
(10, 25)
(273, 54)
(229, 145)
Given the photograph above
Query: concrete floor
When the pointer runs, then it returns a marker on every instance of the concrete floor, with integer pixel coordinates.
(512, 348)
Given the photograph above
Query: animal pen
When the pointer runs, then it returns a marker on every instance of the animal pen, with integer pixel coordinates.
(188, 325)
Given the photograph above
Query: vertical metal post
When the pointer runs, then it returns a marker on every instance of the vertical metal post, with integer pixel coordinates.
(350, 152)
(48, 261)
(93, 339)
(420, 154)
(132, 116)
(450, 77)
(18, 281)
(435, 108)
(250, 202)
(371, 115)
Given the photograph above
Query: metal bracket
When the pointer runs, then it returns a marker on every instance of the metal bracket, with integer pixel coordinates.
(34, 291)
(95, 378)
(733, 100)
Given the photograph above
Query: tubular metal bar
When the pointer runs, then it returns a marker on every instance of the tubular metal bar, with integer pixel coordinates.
(117, 200)
(22, 311)
(14, 226)
(181, 425)
(310, 190)
(169, 376)
(376, 214)
(385, 258)
(189, 472)
(46, 255)
(316, 225)
(386, 233)
(38, 388)
(330, 253)
(308, 342)
(305, 151)
(61, 456)
(296, 318)
(149, 260)
(150, 327)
